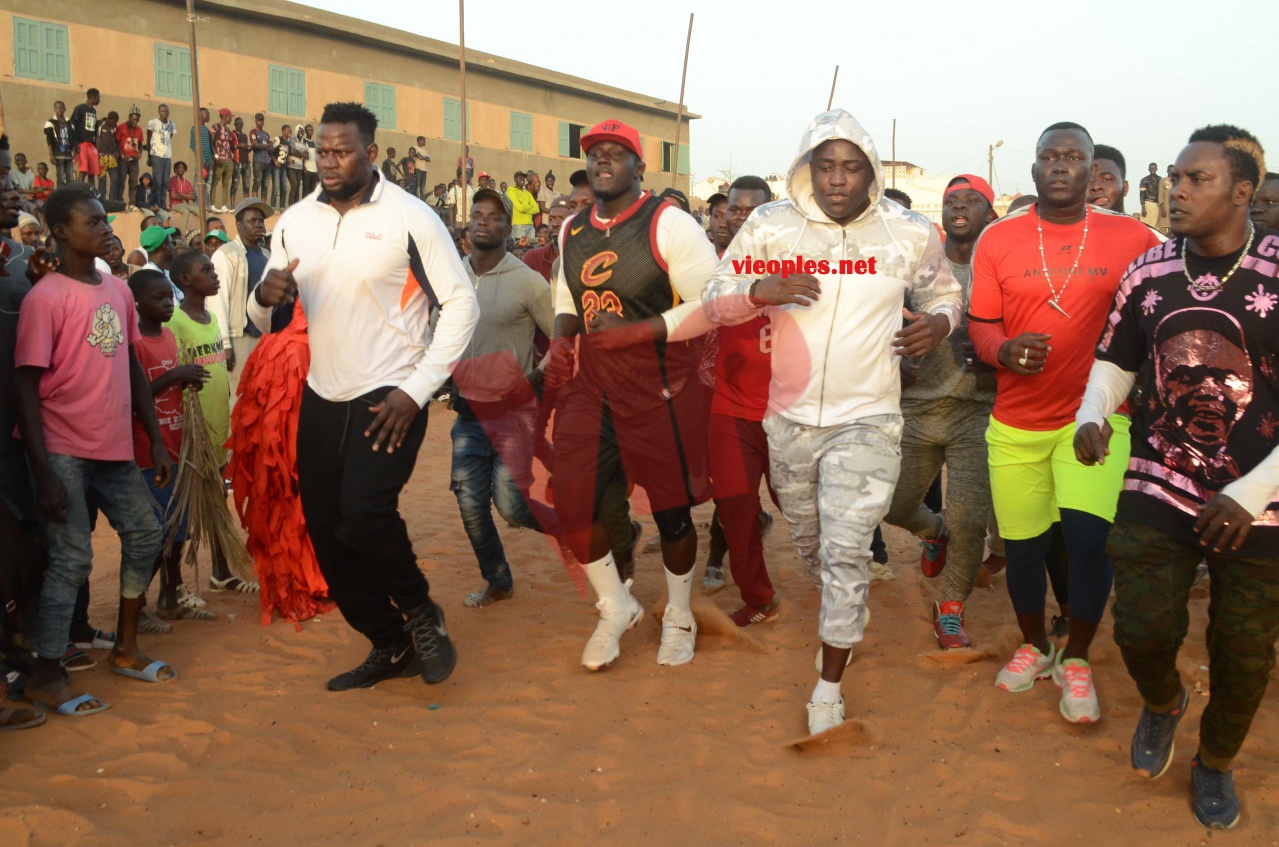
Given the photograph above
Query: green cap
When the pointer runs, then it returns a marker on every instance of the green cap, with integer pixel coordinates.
(153, 236)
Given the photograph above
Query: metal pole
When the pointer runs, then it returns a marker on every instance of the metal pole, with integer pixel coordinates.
(461, 43)
(990, 164)
(894, 152)
(201, 194)
(679, 117)
(830, 101)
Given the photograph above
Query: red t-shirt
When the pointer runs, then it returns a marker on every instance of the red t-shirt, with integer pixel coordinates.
(1009, 287)
(743, 370)
(158, 356)
(44, 186)
(130, 141)
(180, 186)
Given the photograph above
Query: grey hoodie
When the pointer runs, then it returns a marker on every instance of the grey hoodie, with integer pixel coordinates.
(833, 361)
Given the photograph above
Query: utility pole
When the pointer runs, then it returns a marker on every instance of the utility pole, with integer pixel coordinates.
(990, 161)
(679, 117)
(463, 214)
(202, 195)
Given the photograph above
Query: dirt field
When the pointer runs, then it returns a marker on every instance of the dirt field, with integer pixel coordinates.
(523, 746)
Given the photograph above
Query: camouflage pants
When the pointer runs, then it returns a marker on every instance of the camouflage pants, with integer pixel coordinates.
(834, 485)
(1153, 576)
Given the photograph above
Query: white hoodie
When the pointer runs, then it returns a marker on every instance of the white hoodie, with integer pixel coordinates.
(833, 361)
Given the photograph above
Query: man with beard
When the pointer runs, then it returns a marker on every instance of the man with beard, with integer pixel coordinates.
(375, 363)
(631, 280)
(1265, 202)
(946, 411)
(1203, 478)
(834, 423)
(1043, 280)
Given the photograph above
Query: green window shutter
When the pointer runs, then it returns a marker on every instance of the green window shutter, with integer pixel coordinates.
(41, 51)
(277, 90)
(521, 131)
(57, 54)
(172, 71)
(26, 49)
(297, 92)
(381, 102)
(683, 160)
(564, 139)
(452, 119)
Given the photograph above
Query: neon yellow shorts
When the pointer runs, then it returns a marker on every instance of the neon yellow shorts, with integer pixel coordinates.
(1033, 474)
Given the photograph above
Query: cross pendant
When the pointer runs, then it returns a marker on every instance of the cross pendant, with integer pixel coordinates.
(1058, 307)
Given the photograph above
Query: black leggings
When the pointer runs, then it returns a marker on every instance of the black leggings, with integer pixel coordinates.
(1089, 575)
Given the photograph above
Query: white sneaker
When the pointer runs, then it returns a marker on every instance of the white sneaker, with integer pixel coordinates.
(679, 634)
(1078, 695)
(824, 716)
(1026, 666)
(615, 618)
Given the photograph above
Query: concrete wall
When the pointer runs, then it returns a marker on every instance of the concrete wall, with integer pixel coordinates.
(112, 50)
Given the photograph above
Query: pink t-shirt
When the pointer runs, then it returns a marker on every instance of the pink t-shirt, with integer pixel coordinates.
(80, 335)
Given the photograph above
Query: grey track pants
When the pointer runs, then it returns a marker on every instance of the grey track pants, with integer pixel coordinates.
(953, 434)
(834, 484)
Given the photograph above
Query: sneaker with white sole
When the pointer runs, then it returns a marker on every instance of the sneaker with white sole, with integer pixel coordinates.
(1026, 666)
(1078, 694)
(824, 716)
(679, 636)
(615, 618)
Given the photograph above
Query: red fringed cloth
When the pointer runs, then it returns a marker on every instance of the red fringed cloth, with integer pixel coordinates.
(264, 476)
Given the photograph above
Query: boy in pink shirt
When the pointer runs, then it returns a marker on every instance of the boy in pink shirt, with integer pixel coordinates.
(78, 387)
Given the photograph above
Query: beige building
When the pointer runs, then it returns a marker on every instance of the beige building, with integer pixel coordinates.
(287, 60)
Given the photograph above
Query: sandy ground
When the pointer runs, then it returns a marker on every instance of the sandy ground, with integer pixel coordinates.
(523, 746)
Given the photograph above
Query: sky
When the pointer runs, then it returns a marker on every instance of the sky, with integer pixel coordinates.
(957, 76)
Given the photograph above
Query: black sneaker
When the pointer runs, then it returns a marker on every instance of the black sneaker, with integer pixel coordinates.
(1061, 626)
(435, 652)
(388, 663)
(1152, 742)
(1215, 803)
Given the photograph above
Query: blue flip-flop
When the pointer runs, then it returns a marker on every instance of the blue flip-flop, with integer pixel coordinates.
(68, 709)
(151, 673)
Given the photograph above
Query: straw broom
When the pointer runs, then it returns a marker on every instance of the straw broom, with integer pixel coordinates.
(200, 497)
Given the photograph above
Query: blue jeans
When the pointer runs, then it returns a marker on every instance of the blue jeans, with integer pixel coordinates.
(493, 466)
(119, 490)
(280, 183)
(160, 170)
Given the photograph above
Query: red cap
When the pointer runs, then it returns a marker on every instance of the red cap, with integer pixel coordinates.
(224, 112)
(974, 182)
(611, 130)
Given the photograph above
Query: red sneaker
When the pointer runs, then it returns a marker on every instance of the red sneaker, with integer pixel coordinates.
(933, 560)
(747, 615)
(948, 625)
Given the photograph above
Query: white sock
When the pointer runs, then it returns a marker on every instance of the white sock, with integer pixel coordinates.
(680, 589)
(604, 578)
(826, 692)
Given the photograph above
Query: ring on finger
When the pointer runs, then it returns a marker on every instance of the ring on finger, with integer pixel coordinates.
(1022, 361)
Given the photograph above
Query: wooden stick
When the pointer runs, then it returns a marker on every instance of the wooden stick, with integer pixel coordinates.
(830, 102)
(202, 197)
(894, 152)
(679, 118)
(463, 213)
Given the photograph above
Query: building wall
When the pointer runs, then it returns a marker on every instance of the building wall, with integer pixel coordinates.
(113, 50)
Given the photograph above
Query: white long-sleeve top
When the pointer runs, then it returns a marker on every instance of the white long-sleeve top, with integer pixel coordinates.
(367, 281)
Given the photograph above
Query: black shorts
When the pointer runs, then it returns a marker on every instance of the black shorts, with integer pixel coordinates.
(663, 450)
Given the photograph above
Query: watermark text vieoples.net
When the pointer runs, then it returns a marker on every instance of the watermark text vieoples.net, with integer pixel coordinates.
(800, 265)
